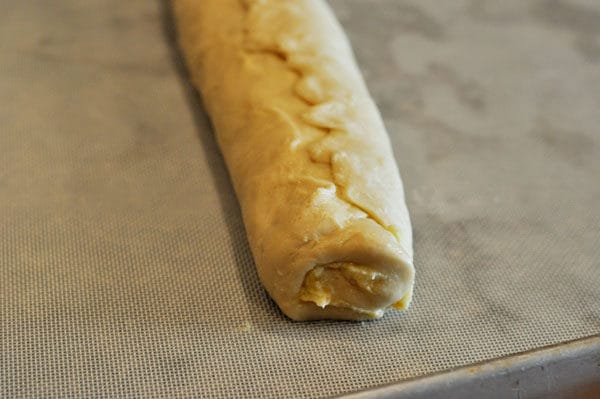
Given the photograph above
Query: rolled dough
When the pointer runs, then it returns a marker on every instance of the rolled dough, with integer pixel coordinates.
(308, 154)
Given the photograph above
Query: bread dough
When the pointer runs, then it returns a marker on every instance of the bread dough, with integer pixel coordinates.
(307, 152)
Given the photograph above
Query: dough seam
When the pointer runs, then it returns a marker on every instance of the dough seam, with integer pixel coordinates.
(284, 57)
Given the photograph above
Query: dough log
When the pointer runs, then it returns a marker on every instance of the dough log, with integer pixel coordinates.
(308, 154)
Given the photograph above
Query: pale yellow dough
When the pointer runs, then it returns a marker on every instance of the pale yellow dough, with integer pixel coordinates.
(307, 152)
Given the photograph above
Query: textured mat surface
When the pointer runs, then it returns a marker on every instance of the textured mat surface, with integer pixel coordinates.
(124, 268)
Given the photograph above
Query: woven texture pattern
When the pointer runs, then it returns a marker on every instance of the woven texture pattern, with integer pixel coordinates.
(124, 267)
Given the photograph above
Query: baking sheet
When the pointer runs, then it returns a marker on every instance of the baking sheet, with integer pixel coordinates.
(566, 370)
(124, 268)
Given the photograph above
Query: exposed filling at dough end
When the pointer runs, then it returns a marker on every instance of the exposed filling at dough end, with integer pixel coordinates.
(349, 285)
(404, 301)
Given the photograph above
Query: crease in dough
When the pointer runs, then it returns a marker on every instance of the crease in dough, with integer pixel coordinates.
(326, 115)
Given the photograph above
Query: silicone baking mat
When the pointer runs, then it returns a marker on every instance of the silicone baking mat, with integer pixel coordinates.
(124, 267)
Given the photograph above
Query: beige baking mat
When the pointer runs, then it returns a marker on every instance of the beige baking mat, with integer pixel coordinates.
(124, 267)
